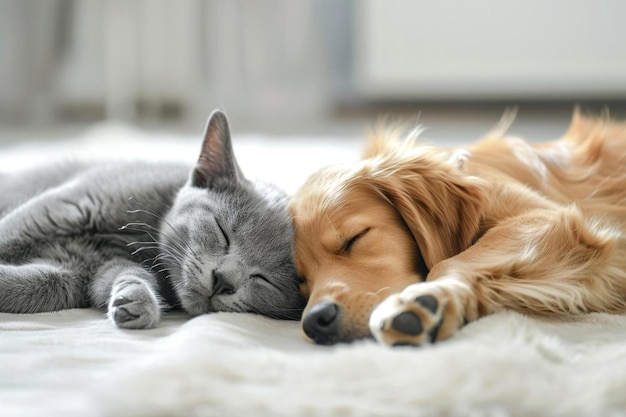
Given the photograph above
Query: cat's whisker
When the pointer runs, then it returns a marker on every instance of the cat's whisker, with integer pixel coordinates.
(183, 245)
(179, 243)
(143, 247)
(159, 259)
(162, 257)
(134, 229)
(179, 246)
(161, 246)
(154, 240)
(140, 224)
(178, 285)
(156, 265)
(135, 211)
(164, 253)
(149, 226)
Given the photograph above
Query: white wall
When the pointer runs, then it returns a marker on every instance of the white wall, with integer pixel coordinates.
(129, 59)
(449, 49)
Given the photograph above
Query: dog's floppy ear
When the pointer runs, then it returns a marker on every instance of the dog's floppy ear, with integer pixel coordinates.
(440, 204)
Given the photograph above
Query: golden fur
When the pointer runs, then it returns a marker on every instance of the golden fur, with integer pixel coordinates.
(537, 228)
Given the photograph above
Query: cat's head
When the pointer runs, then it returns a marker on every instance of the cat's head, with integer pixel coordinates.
(232, 239)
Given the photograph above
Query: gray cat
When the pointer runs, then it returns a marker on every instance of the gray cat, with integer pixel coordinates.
(140, 237)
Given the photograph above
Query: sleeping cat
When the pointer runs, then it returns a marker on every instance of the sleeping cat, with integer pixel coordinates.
(140, 237)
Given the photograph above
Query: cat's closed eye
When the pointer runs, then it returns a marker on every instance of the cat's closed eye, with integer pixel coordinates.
(224, 235)
(262, 278)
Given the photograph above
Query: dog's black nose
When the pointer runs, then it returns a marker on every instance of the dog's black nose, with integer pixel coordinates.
(322, 323)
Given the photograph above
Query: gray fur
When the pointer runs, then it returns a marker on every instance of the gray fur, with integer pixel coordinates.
(138, 237)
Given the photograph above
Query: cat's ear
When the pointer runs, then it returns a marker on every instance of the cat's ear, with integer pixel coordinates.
(217, 159)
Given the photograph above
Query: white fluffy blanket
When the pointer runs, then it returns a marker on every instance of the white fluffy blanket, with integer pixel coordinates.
(75, 363)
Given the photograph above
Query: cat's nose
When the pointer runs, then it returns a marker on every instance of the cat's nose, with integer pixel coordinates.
(221, 286)
(321, 324)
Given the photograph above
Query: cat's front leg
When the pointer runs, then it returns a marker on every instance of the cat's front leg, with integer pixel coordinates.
(133, 303)
(129, 293)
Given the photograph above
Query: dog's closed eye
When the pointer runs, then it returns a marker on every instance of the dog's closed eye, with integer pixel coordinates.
(349, 243)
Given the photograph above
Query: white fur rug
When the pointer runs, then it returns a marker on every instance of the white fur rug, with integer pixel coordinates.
(74, 363)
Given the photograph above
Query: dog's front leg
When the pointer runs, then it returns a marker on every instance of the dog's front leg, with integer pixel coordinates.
(543, 262)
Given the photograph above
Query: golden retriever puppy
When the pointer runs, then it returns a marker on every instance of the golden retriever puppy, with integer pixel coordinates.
(413, 242)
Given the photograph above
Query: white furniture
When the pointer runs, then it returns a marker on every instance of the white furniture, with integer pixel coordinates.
(532, 49)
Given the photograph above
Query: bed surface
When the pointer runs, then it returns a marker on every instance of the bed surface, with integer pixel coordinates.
(75, 363)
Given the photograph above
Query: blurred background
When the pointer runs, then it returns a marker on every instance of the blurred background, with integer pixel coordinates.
(318, 67)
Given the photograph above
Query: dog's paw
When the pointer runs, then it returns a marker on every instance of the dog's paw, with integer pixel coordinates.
(422, 313)
(133, 305)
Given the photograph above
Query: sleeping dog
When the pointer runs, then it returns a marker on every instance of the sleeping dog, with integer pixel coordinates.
(414, 241)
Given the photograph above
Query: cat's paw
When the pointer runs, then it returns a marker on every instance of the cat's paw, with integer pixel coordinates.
(421, 314)
(133, 305)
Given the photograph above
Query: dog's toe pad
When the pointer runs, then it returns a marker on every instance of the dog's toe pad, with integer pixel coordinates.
(429, 302)
(407, 323)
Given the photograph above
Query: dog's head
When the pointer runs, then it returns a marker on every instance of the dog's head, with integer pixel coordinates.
(368, 230)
